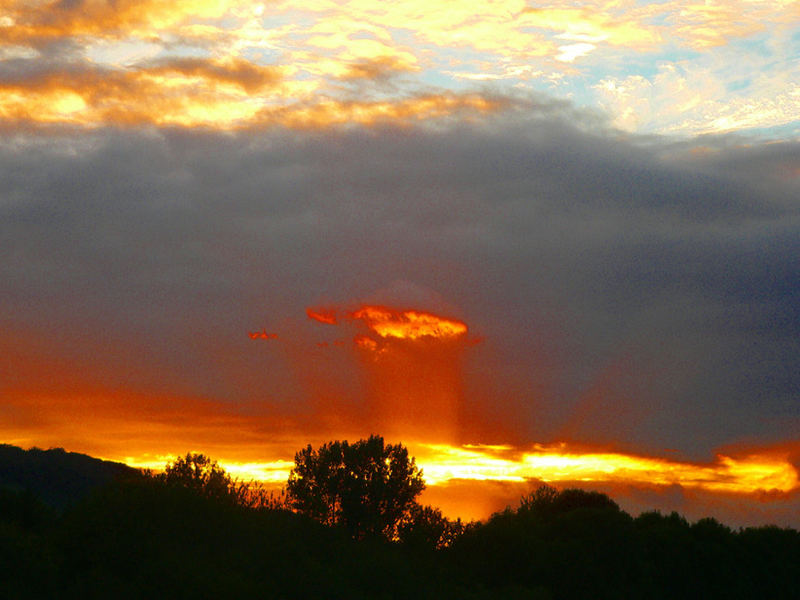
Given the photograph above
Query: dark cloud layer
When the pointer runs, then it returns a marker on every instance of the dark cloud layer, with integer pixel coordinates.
(628, 291)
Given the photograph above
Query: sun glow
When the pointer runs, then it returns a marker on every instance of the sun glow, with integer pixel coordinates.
(410, 363)
(559, 464)
(416, 397)
(742, 475)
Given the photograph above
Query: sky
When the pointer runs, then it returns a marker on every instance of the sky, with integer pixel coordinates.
(199, 202)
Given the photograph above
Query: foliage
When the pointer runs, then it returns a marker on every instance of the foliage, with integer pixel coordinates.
(580, 544)
(197, 472)
(547, 500)
(366, 487)
(266, 499)
(427, 527)
(575, 543)
(538, 500)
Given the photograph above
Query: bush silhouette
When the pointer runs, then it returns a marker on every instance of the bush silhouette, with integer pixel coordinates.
(197, 472)
(425, 527)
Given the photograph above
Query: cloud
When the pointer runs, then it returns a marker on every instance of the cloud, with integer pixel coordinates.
(706, 25)
(226, 64)
(380, 68)
(192, 92)
(45, 21)
(602, 23)
(251, 78)
(693, 97)
(470, 499)
(634, 271)
(82, 94)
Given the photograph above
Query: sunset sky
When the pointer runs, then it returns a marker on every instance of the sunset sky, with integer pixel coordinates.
(535, 241)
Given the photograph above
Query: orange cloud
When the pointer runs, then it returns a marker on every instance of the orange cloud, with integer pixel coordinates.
(713, 24)
(411, 363)
(199, 92)
(379, 68)
(365, 342)
(323, 315)
(394, 323)
(162, 95)
(38, 22)
(750, 473)
(408, 324)
(262, 335)
(250, 77)
(329, 113)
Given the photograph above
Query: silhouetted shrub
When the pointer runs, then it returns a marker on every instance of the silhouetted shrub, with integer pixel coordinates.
(425, 527)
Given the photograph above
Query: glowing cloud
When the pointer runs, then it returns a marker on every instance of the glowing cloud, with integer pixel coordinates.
(753, 478)
(262, 335)
(408, 324)
(411, 362)
(365, 342)
(749, 474)
(394, 323)
(323, 315)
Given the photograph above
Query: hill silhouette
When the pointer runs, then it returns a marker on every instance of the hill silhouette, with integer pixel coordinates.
(56, 477)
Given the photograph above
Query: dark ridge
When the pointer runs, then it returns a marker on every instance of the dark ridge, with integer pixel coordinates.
(56, 477)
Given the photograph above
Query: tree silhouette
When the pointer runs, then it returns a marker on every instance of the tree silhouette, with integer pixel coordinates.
(367, 487)
(200, 474)
(425, 527)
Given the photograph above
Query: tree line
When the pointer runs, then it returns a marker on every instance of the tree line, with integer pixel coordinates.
(349, 525)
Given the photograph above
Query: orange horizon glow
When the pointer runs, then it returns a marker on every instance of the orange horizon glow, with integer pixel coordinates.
(410, 362)
(752, 473)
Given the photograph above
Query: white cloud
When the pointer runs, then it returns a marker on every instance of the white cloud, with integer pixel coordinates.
(121, 53)
(688, 99)
(570, 52)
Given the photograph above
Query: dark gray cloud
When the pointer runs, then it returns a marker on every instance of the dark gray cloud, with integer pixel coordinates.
(627, 290)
